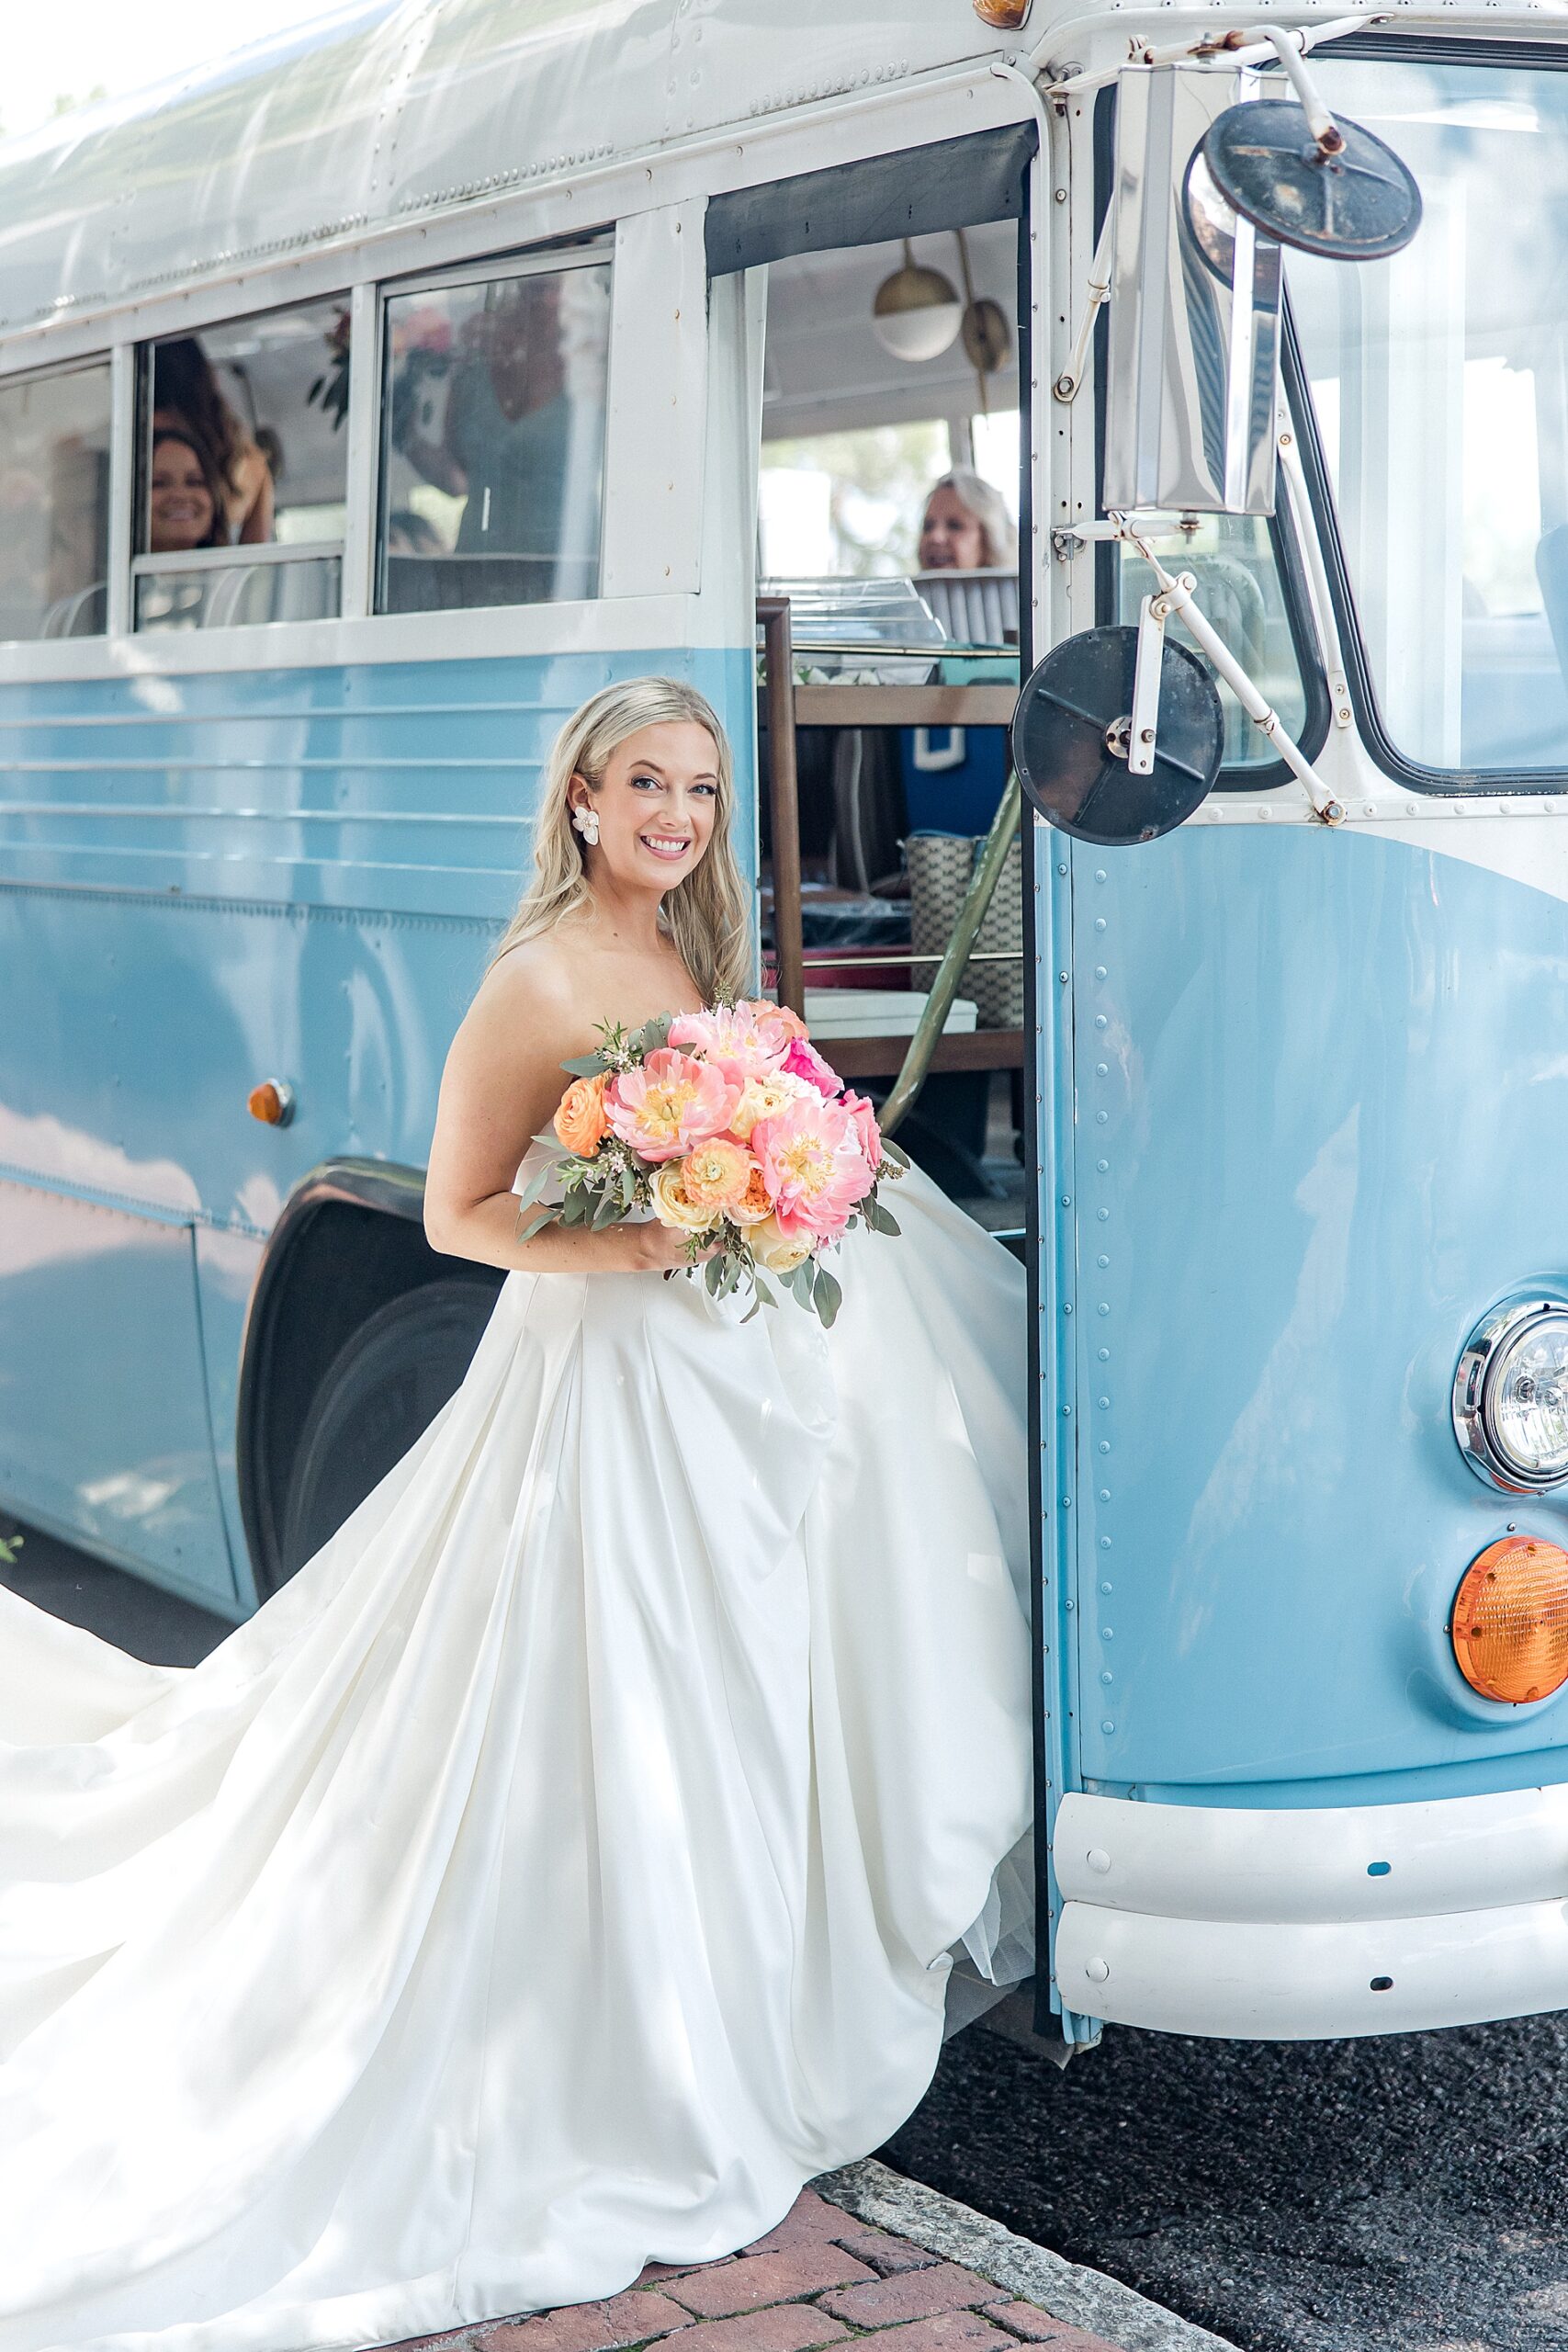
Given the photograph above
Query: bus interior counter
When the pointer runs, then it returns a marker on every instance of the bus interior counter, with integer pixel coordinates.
(887, 515)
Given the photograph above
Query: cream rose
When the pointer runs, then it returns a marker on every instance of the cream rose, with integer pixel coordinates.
(670, 1206)
(779, 1252)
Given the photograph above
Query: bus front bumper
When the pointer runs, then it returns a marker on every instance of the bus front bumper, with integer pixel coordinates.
(1287, 1925)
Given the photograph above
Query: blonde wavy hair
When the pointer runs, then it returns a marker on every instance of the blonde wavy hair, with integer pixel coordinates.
(707, 915)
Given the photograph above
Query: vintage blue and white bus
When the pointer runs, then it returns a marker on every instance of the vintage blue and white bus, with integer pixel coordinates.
(367, 402)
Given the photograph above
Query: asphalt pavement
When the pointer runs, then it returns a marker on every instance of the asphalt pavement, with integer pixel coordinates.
(1406, 2194)
(135, 1616)
(1378, 2195)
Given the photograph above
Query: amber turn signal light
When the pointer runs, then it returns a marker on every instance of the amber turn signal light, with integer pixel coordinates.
(1005, 15)
(1510, 1623)
(272, 1100)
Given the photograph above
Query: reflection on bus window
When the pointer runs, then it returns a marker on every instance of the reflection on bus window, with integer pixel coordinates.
(1440, 385)
(1232, 559)
(245, 448)
(54, 465)
(494, 441)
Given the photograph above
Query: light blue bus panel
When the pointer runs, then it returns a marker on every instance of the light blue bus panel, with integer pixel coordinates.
(206, 882)
(1312, 1132)
(111, 1441)
(1322, 1119)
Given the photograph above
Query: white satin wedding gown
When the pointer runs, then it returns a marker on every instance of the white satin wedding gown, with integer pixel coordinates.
(562, 1868)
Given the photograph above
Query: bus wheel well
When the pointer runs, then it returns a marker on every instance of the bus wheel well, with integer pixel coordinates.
(349, 1242)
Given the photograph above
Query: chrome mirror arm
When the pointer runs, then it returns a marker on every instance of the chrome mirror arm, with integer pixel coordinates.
(1256, 46)
(1176, 595)
(1099, 291)
(1291, 50)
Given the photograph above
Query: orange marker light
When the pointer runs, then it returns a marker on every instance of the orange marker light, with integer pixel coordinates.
(1005, 15)
(1510, 1623)
(272, 1100)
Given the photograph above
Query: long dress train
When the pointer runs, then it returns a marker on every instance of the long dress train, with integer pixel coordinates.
(567, 1864)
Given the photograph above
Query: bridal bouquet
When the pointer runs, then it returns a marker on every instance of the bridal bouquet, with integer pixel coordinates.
(728, 1125)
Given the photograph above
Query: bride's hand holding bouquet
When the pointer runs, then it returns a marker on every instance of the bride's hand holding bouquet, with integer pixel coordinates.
(733, 1130)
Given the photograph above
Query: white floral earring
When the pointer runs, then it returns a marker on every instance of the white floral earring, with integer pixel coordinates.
(586, 821)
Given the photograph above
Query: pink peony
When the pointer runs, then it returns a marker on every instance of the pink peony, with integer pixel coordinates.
(733, 1038)
(866, 1128)
(776, 1020)
(812, 1165)
(803, 1061)
(672, 1102)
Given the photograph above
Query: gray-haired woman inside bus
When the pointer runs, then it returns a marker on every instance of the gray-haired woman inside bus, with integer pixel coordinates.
(967, 527)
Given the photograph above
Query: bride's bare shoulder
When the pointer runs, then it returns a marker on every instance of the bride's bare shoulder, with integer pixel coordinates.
(542, 970)
(528, 1000)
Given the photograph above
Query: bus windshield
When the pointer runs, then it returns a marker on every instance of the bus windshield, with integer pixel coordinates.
(1439, 381)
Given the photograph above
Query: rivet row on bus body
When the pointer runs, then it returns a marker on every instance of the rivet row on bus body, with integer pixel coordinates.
(1102, 1165)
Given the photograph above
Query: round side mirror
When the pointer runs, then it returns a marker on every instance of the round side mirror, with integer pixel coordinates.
(1262, 161)
(1073, 729)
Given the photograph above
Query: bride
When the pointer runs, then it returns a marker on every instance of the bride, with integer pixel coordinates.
(586, 1846)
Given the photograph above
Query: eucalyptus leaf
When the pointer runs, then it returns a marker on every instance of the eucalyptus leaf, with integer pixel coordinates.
(587, 1065)
(535, 1185)
(713, 1276)
(827, 1298)
(890, 1151)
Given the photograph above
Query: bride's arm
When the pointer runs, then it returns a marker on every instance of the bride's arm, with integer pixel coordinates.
(500, 1087)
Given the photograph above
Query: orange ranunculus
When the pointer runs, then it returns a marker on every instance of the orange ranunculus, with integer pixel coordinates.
(581, 1122)
(713, 1175)
(756, 1202)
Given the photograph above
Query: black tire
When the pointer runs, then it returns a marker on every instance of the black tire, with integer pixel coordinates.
(382, 1390)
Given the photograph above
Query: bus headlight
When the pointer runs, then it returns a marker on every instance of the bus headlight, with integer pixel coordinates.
(1510, 1399)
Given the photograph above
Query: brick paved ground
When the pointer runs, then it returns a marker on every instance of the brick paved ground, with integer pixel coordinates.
(820, 2277)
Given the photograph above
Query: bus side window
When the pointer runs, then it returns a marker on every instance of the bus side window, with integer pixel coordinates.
(494, 440)
(244, 467)
(1232, 557)
(54, 505)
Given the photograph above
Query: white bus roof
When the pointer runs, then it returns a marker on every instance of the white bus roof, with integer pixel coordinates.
(388, 108)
